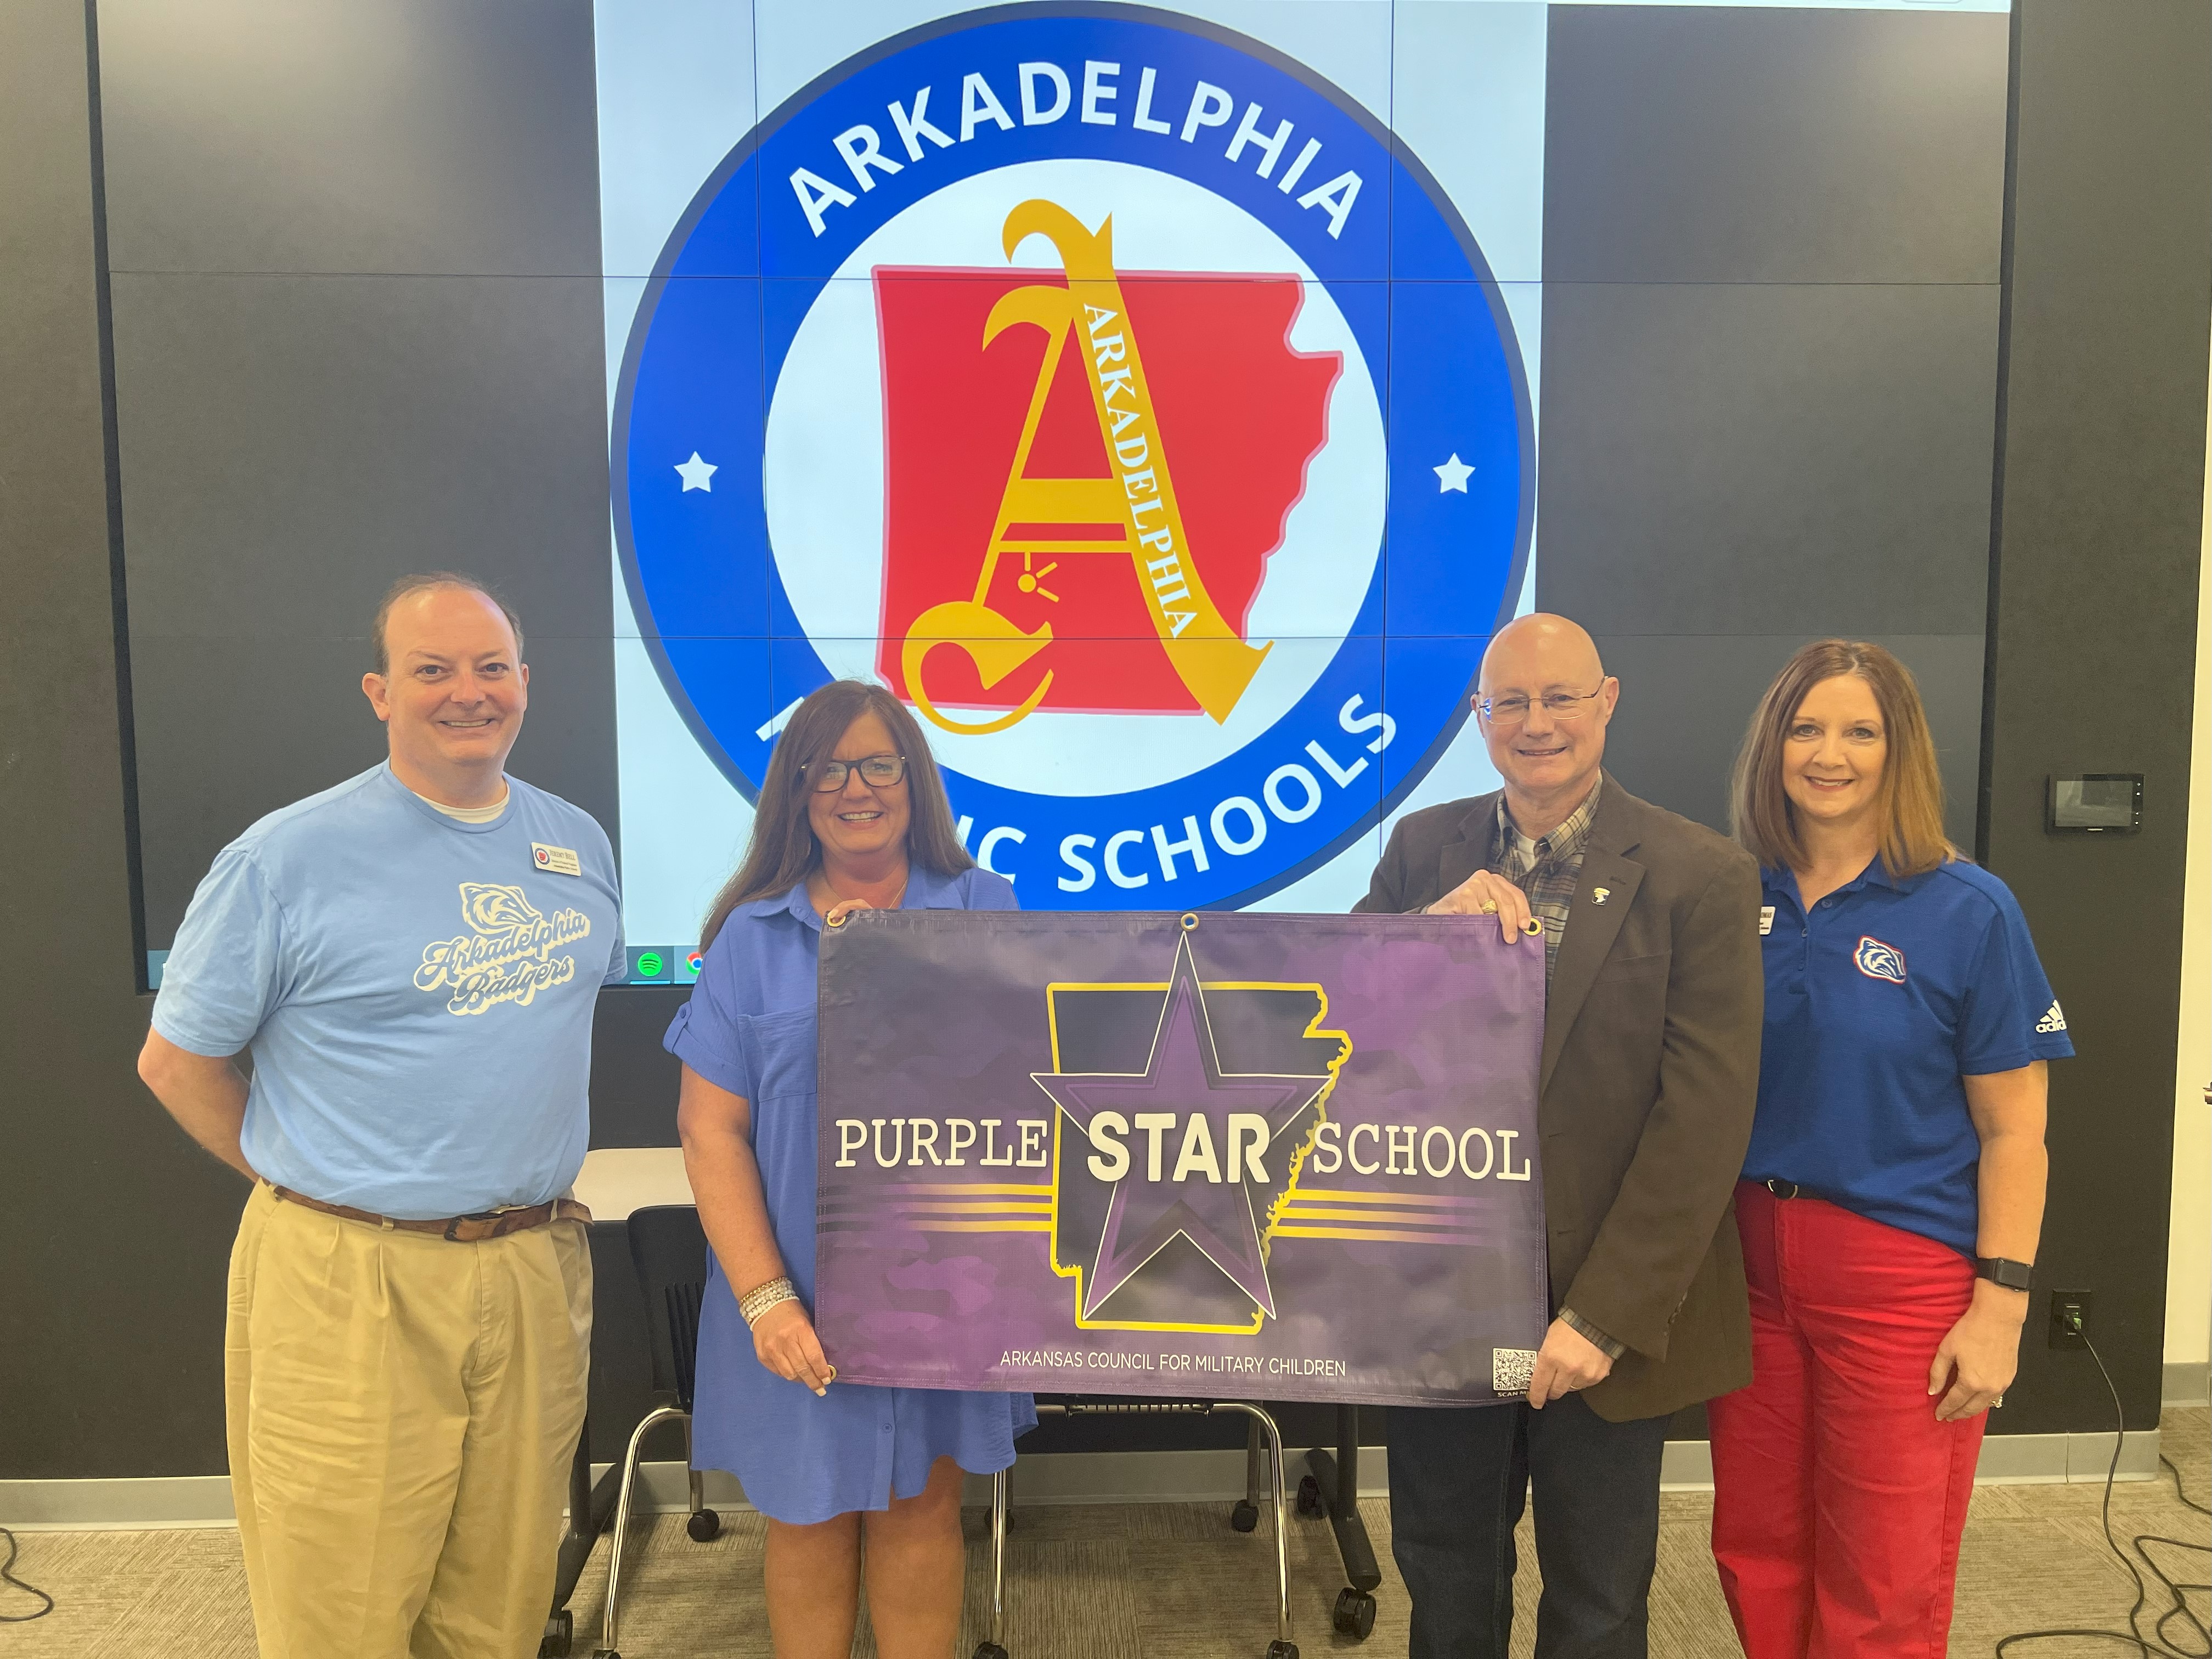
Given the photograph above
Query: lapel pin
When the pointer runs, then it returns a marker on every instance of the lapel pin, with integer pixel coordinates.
(1599, 895)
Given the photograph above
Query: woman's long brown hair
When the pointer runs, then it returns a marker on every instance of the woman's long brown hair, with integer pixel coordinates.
(1910, 801)
(782, 851)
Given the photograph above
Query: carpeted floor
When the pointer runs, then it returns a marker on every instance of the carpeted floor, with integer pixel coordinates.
(1141, 1581)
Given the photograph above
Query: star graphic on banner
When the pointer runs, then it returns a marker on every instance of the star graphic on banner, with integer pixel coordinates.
(697, 474)
(1452, 475)
(1151, 1205)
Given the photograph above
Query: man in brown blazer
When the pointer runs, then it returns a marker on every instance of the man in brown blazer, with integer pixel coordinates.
(1650, 1069)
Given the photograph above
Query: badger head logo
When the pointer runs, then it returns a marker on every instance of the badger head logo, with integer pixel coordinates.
(1879, 961)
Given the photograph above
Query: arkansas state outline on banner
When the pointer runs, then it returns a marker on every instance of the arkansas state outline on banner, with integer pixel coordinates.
(1254, 1155)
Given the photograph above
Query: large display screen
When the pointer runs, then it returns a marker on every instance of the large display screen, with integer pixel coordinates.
(1155, 400)
(1111, 384)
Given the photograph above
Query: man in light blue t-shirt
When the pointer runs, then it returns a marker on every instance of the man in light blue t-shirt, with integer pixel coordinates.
(412, 959)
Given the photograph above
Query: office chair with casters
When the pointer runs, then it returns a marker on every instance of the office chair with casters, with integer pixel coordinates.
(669, 1249)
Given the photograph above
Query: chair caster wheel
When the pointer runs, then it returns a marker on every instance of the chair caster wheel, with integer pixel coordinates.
(1245, 1516)
(989, 1650)
(1354, 1616)
(1309, 1502)
(1282, 1650)
(704, 1527)
(560, 1631)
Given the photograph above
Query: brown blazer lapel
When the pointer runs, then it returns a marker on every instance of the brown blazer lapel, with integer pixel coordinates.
(1591, 928)
(1469, 849)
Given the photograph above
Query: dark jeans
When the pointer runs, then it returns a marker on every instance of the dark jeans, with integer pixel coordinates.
(1459, 1476)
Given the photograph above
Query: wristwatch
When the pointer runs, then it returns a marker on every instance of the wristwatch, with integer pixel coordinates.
(2001, 1270)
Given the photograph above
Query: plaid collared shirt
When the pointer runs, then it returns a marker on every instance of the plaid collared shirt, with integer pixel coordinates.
(1548, 870)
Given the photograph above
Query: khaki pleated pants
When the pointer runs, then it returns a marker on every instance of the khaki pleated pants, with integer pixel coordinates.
(403, 1411)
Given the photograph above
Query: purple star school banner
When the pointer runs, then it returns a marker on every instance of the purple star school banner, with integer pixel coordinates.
(1221, 1156)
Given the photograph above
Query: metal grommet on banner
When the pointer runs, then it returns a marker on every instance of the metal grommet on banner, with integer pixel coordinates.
(837, 921)
(1189, 920)
(1533, 926)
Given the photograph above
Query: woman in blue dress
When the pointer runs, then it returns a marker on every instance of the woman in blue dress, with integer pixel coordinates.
(851, 816)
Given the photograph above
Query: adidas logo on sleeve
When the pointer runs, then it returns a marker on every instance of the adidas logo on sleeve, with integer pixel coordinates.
(2053, 1021)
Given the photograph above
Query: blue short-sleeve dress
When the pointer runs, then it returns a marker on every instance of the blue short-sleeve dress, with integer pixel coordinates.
(750, 1028)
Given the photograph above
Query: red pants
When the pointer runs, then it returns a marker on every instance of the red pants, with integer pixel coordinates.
(1838, 1498)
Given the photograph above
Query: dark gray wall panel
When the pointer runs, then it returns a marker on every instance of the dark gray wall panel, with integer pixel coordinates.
(1695, 144)
(1687, 700)
(1721, 459)
(291, 444)
(2099, 537)
(437, 136)
(113, 1230)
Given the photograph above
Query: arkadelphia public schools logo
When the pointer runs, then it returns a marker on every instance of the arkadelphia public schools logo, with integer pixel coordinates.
(1124, 397)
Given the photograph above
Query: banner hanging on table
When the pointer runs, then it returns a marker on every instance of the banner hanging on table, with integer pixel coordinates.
(1228, 1156)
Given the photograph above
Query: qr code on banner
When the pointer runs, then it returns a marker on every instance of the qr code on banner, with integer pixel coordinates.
(1510, 1369)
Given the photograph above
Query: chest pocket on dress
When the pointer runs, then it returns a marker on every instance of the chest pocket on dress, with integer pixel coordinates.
(780, 1048)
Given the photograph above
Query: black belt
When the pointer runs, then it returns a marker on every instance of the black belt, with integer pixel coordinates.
(1782, 1188)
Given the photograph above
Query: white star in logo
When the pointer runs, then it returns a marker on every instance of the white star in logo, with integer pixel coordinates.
(696, 473)
(1452, 475)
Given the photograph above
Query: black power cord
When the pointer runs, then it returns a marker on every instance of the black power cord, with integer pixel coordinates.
(2180, 1609)
(2158, 1644)
(8, 1577)
(2184, 1496)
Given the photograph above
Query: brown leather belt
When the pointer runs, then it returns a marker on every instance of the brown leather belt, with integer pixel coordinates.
(460, 1229)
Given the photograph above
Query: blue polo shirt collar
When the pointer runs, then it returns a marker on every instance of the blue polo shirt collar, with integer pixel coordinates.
(1783, 883)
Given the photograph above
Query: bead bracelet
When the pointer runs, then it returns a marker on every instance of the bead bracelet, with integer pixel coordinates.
(758, 1300)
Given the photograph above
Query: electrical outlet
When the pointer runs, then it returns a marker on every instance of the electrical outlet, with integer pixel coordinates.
(2070, 1318)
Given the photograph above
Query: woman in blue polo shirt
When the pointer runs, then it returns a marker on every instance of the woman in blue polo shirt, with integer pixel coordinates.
(1894, 1191)
(852, 815)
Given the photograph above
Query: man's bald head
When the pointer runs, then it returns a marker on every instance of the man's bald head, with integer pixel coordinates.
(1545, 700)
(1545, 646)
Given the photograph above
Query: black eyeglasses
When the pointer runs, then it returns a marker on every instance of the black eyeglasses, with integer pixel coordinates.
(880, 770)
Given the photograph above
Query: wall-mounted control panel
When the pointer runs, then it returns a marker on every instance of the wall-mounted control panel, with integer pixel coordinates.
(2097, 802)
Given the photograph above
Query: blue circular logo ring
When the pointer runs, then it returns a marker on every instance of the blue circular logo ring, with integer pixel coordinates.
(767, 232)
